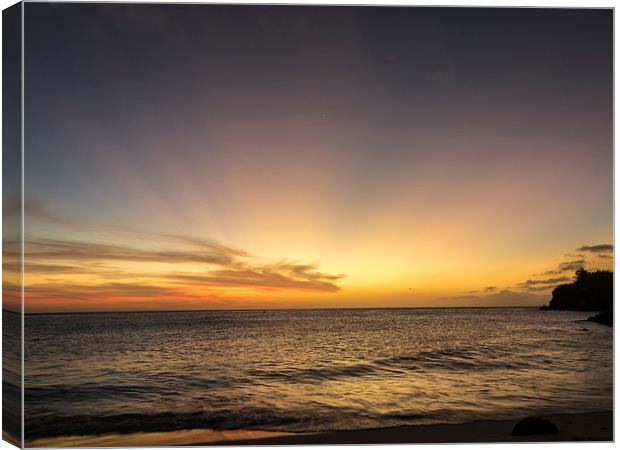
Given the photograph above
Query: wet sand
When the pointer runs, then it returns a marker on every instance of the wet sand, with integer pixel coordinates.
(595, 426)
(153, 439)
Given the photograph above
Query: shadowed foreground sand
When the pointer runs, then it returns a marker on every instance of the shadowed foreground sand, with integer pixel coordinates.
(596, 426)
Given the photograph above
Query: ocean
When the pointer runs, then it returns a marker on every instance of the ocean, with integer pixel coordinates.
(90, 375)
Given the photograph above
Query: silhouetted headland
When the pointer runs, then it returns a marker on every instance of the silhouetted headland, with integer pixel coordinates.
(591, 291)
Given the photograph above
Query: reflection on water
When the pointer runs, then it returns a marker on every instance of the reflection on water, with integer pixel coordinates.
(304, 371)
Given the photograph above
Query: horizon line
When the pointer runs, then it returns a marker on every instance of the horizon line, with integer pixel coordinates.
(162, 311)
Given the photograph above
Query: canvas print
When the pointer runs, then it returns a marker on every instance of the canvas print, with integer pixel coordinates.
(287, 224)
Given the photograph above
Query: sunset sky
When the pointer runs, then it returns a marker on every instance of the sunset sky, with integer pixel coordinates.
(225, 157)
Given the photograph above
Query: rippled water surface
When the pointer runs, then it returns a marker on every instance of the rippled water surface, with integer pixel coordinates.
(89, 374)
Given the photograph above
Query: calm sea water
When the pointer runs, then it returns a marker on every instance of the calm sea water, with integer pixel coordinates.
(91, 374)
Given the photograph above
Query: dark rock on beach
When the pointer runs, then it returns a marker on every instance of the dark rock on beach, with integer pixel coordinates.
(534, 425)
(604, 317)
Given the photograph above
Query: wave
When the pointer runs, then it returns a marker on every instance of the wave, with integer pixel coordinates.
(314, 418)
(445, 359)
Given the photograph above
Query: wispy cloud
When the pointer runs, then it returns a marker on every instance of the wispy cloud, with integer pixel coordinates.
(65, 250)
(571, 265)
(271, 277)
(90, 292)
(566, 266)
(217, 264)
(574, 255)
(34, 207)
(579, 261)
(504, 297)
(599, 248)
(544, 282)
(154, 266)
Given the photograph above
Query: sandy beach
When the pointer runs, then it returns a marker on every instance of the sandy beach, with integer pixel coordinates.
(594, 426)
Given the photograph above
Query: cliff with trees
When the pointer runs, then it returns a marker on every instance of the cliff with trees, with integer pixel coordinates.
(591, 291)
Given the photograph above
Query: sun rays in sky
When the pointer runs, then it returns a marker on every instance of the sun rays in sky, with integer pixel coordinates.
(288, 157)
(81, 266)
